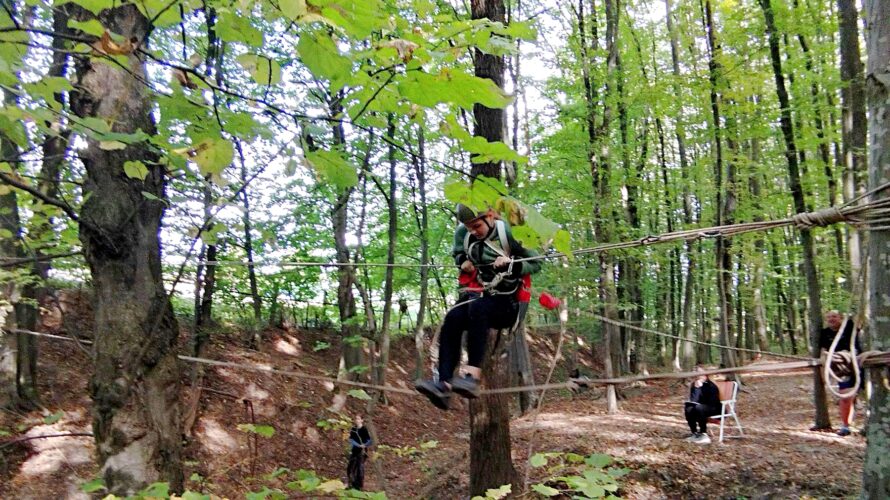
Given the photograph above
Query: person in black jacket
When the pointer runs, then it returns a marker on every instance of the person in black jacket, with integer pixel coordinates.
(704, 401)
(833, 321)
(360, 441)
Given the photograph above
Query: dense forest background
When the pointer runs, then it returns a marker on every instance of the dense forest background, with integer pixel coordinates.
(210, 165)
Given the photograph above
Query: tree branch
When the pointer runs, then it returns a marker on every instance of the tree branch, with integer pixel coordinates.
(40, 196)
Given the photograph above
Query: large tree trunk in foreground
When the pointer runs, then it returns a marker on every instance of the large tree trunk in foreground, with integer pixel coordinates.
(876, 471)
(490, 457)
(135, 387)
(806, 237)
(489, 122)
(491, 465)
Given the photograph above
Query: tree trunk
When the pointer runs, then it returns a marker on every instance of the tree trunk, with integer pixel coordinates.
(135, 386)
(255, 298)
(489, 122)
(809, 263)
(876, 471)
(352, 351)
(18, 359)
(853, 128)
(422, 220)
(392, 234)
(490, 457)
(723, 207)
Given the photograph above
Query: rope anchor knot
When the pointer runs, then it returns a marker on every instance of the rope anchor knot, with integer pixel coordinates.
(819, 218)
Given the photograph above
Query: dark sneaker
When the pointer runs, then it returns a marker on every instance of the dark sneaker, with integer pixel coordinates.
(843, 431)
(437, 392)
(467, 387)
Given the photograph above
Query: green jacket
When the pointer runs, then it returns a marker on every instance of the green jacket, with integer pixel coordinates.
(482, 255)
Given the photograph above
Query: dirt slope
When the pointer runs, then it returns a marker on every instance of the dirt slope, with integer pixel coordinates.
(777, 458)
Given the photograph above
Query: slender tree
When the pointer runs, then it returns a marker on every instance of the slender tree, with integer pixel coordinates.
(806, 238)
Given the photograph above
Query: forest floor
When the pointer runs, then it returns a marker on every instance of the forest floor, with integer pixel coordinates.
(777, 458)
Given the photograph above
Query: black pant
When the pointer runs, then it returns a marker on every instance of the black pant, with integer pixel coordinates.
(355, 470)
(698, 414)
(476, 317)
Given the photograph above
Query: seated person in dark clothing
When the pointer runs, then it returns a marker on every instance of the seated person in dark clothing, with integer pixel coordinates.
(703, 402)
(833, 321)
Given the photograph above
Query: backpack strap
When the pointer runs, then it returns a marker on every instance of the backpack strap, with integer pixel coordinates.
(501, 228)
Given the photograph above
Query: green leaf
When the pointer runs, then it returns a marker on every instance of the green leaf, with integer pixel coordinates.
(214, 155)
(331, 486)
(265, 494)
(320, 55)
(191, 495)
(498, 493)
(359, 18)
(428, 445)
(93, 486)
(90, 26)
(95, 6)
(538, 460)
(457, 191)
(263, 70)
(545, 490)
(156, 490)
(232, 27)
(562, 243)
(485, 192)
(135, 170)
(521, 29)
(598, 460)
(280, 471)
(112, 145)
(332, 167)
(263, 430)
(359, 394)
(293, 9)
(152, 197)
(53, 418)
(574, 458)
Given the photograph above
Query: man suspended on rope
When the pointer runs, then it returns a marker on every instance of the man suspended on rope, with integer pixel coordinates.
(492, 288)
(849, 339)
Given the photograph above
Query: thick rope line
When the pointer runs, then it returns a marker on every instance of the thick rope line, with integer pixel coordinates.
(245, 366)
(871, 358)
(700, 342)
(296, 263)
(869, 216)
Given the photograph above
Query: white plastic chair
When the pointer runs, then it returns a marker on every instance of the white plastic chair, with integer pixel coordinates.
(729, 391)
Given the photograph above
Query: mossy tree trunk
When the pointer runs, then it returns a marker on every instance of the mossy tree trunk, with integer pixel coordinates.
(135, 386)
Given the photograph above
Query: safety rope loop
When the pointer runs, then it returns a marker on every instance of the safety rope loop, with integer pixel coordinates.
(819, 218)
(839, 366)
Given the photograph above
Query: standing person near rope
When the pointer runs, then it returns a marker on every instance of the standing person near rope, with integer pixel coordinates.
(490, 283)
(703, 402)
(849, 337)
(360, 441)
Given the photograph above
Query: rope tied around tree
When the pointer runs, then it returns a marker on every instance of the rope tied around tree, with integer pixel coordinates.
(822, 218)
